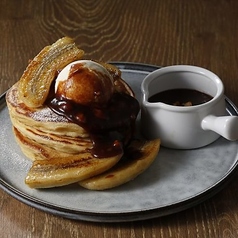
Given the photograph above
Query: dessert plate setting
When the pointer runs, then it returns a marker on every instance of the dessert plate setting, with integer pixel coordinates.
(177, 179)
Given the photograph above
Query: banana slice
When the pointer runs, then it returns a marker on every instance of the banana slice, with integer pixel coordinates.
(35, 82)
(139, 157)
(59, 172)
(112, 69)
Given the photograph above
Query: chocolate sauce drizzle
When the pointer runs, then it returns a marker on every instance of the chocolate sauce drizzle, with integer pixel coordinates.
(110, 126)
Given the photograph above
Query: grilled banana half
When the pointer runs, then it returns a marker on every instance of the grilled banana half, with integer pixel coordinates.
(58, 172)
(139, 156)
(35, 82)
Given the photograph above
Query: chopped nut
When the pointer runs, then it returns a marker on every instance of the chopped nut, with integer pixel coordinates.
(187, 104)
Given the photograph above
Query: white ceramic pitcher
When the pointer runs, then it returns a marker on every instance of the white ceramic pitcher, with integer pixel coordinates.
(188, 127)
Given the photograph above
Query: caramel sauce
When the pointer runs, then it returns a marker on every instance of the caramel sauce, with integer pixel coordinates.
(110, 126)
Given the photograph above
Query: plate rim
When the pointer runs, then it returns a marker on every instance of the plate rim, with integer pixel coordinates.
(129, 215)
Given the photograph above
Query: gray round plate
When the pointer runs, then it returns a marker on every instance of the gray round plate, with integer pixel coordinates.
(177, 180)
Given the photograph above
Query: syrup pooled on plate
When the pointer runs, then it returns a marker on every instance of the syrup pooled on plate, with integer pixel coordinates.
(181, 97)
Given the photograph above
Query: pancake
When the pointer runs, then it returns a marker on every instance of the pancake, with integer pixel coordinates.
(46, 128)
(42, 118)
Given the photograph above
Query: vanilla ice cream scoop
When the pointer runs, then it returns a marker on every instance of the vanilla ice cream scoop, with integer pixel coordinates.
(85, 82)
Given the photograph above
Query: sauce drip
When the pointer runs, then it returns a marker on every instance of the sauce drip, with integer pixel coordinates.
(109, 126)
(181, 97)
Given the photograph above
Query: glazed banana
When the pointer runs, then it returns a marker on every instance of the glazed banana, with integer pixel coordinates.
(58, 172)
(140, 156)
(35, 82)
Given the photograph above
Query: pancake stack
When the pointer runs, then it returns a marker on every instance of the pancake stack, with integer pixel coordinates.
(61, 149)
(42, 133)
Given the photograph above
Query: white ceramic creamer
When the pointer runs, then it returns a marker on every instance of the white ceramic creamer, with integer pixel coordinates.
(186, 127)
